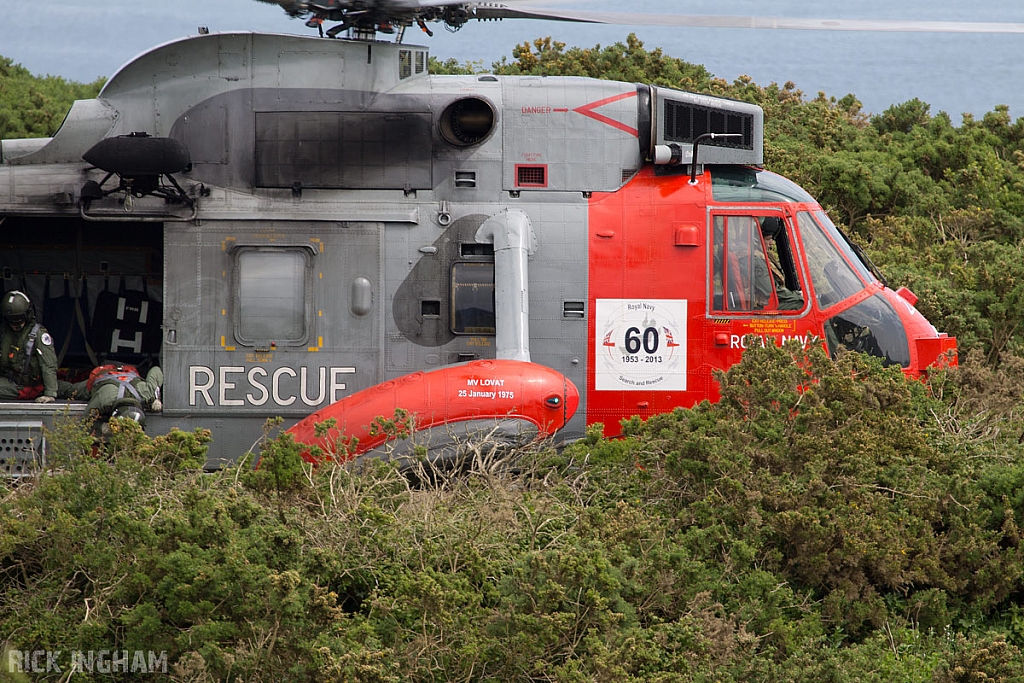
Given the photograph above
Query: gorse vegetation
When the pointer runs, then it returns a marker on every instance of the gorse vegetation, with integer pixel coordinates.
(826, 521)
(32, 107)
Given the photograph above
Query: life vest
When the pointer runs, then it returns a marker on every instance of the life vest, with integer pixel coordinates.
(121, 374)
(23, 375)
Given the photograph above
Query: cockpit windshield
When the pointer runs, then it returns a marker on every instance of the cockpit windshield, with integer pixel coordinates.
(743, 184)
(836, 271)
(843, 244)
(872, 327)
(832, 276)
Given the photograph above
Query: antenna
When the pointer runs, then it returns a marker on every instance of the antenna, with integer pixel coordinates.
(696, 141)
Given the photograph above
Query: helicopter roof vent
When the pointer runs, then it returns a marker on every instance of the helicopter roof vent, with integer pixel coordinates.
(680, 117)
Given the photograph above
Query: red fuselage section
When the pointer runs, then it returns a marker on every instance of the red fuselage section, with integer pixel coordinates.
(683, 277)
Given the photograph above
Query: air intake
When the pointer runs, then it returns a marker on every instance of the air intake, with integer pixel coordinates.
(681, 117)
(682, 122)
(531, 175)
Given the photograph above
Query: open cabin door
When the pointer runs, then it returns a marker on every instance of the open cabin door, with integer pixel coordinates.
(95, 286)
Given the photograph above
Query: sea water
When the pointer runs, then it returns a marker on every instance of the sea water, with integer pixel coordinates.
(956, 73)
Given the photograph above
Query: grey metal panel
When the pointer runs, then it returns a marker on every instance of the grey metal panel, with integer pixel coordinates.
(322, 206)
(11, 149)
(559, 272)
(22, 447)
(343, 150)
(582, 131)
(414, 276)
(416, 270)
(159, 86)
(234, 436)
(48, 189)
(208, 370)
(85, 125)
(206, 133)
(321, 137)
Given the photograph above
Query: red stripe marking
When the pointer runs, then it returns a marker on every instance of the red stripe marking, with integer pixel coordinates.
(588, 111)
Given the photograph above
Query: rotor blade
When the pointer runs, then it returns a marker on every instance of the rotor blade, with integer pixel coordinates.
(528, 10)
(500, 11)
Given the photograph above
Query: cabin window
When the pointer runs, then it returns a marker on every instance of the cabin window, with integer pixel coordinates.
(473, 298)
(753, 269)
(271, 294)
(404, 63)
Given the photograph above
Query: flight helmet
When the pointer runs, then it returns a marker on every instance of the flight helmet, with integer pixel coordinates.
(130, 412)
(16, 308)
(771, 226)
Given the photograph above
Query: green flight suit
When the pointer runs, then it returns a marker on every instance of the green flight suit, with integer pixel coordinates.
(117, 386)
(40, 378)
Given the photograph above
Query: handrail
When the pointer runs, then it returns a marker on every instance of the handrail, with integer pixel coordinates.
(167, 218)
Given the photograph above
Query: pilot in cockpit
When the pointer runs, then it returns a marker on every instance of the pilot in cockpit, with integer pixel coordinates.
(788, 300)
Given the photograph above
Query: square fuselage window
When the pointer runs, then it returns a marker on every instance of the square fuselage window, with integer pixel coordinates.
(271, 287)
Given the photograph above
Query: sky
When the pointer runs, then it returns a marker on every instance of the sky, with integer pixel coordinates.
(82, 40)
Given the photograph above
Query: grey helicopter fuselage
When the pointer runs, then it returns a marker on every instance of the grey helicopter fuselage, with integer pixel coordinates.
(344, 216)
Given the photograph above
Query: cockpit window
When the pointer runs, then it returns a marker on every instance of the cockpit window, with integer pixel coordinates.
(871, 327)
(742, 184)
(752, 265)
(742, 282)
(844, 246)
(831, 275)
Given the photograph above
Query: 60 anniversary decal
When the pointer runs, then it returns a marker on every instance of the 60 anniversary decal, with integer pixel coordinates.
(640, 345)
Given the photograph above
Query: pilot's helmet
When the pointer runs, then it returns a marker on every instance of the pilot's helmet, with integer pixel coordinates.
(771, 226)
(16, 308)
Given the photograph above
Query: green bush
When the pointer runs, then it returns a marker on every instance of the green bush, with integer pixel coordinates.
(827, 520)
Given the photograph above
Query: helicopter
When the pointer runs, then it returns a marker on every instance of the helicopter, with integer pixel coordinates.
(314, 227)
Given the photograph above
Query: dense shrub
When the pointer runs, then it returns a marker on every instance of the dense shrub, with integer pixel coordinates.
(32, 106)
(825, 520)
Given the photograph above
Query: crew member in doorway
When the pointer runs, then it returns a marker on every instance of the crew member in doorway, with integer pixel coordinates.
(28, 362)
(118, 390)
